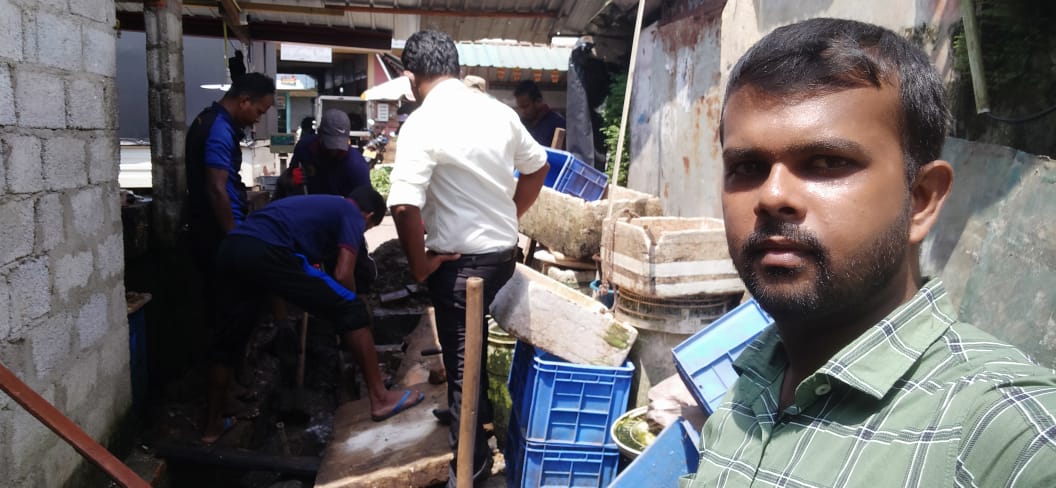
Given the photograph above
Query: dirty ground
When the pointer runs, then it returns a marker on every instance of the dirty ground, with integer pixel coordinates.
(282, 432)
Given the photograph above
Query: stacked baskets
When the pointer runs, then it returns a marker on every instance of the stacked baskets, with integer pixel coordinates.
(560, 418)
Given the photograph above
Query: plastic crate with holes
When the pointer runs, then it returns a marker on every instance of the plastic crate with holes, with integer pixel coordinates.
(705, 360)
(558, 465)
(581, 180)
(558, 401)
(568, 175)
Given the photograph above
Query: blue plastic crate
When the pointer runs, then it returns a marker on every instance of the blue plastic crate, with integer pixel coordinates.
(547, 464)
(558, 401)
(674, 453)
(581, 180)
(558, 160)
(705, 360)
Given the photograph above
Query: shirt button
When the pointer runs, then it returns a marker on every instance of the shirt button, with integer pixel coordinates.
(822, 390)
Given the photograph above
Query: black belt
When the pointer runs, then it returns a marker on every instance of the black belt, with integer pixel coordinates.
(486, 259)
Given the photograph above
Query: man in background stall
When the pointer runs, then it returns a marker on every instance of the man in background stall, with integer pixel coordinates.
(537, 116)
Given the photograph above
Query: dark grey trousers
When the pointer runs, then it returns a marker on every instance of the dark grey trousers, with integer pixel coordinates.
(447, 288)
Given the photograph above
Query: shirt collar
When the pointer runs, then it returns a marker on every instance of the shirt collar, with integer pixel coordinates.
(874, 361)
(224, 113)
(443, 88)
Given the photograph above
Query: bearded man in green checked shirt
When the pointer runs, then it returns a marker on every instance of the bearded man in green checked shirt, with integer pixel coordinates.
(832, 132)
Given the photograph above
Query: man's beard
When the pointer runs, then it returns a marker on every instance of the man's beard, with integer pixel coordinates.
(838, 286)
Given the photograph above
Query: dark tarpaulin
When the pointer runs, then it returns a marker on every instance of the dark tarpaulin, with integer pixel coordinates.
(588, 85)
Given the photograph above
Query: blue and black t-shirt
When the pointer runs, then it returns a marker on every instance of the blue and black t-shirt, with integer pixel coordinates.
(315, 226)
(213, 142)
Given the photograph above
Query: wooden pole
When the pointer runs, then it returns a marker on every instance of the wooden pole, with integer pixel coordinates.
(623, 129)
(975, 57)
(69, 431)
(467, 428)
(627, 98)
(301, 350)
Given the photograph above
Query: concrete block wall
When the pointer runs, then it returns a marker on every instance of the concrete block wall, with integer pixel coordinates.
(63, 326)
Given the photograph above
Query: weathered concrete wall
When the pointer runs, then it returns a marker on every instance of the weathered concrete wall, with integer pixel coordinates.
(63, 327)
(682, 71)
(994, 245)
(675, 106)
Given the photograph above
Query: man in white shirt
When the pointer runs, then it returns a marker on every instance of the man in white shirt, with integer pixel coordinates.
(458, 152)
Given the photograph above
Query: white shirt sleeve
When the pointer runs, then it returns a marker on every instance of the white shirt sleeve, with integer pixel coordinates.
(413, 168)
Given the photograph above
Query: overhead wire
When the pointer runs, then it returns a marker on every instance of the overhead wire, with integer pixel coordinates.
(1009, 120)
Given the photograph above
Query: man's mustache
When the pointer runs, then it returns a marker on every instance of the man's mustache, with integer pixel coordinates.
(791, 233)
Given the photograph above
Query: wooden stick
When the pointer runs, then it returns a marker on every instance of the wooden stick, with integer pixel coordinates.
(467, 428)
(627, 98)
(301, 352)
(68, 431)
(559, 139)
(623, 129)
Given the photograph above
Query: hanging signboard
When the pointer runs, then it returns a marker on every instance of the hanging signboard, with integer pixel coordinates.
(301, 52)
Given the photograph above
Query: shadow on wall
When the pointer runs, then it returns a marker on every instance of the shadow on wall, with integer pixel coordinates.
(994, 244)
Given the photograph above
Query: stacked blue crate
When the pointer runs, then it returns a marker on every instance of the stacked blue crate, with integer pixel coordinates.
(568, 175)
(560, 419)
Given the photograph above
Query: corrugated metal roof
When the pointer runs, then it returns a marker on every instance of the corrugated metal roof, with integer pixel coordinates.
(513, 56)
(534, 21)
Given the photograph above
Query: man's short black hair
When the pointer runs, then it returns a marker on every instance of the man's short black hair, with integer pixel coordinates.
(528, 87)
(308, 125)
(822, 56)
(429, 54)
(253, 85)
(369, 200)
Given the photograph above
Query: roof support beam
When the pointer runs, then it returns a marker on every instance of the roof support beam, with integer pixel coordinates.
(231, 12)
(340, 11)
(274, 31)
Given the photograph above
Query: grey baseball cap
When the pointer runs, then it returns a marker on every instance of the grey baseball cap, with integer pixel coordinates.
(333, 129)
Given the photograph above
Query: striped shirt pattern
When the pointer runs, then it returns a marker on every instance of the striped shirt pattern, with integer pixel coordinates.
(918, 400)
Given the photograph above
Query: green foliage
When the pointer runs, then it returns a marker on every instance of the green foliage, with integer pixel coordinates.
(611, 112)
(1016, 38)
(379, 179)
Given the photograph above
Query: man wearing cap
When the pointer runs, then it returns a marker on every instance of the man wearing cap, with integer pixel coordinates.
(326, 163)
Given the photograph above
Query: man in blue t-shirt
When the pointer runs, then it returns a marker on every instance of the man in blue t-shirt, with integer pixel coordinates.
(215, 193)
(273, 252)
(216, 197)
(326, 163)
(540, 120)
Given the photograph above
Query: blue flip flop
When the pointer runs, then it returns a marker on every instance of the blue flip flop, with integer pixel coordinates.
(400, 406)
(229, 422)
